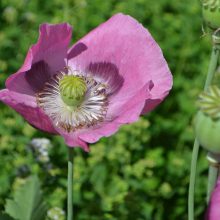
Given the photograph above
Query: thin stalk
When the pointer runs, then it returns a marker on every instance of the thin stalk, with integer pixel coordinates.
(70, 185)
(212, 67)
(213, 175)
(192, 180)
(210, 75)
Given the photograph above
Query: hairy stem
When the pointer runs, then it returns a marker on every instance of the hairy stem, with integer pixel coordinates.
(70, 185)
(210, 75)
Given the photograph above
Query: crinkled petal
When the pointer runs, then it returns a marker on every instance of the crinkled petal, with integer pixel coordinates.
(124, 48)
(126, 44)
(47, 56)
(73, 140)
(213, 212)
(129, 113)
(26, 105)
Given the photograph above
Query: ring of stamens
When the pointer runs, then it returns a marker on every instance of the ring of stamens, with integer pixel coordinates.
(85, 103)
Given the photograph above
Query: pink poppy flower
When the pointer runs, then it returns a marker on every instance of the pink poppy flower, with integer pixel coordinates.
(108, 78)
(213, 212)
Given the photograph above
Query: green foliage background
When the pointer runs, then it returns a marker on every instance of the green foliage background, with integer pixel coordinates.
(142, 172)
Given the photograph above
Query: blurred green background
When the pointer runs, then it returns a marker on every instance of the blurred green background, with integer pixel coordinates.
(142, 172)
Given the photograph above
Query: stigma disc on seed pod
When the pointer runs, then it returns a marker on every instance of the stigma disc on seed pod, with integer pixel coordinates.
(72, 89)
(211, 13)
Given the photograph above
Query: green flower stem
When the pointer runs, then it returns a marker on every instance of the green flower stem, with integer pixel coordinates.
(70, 185)
(213, 175)
(210, 75)
(192, 180)
(212, 67)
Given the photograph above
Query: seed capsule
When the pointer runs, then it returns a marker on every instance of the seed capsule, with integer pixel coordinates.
(211, 13)
(208, 132)
(72, 90)
(208, 120)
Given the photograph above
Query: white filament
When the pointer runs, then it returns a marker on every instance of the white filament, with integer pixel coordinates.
(91, 111)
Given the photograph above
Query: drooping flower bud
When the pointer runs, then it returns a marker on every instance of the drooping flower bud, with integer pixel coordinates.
(211, 13)
(208, 120)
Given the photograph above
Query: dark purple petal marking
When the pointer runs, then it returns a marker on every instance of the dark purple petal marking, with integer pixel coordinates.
(49, 53)
(37, 76)
(109, 73)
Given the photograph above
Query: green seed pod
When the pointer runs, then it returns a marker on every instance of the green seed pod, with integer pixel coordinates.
(208, 132)
(72, 90)
(211, 13)
(208, 120)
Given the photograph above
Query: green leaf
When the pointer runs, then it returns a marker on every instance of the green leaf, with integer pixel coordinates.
(28, 202)
(5, 217)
